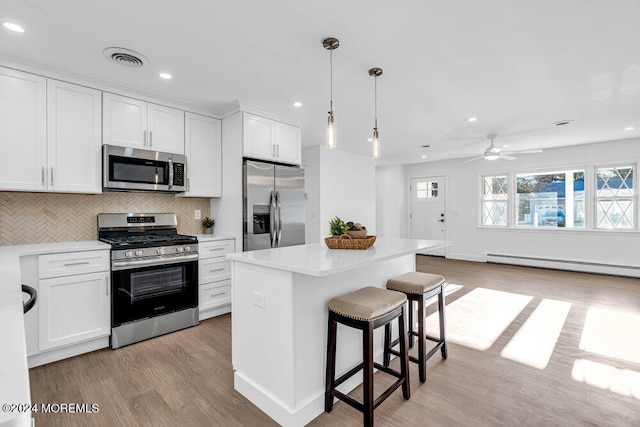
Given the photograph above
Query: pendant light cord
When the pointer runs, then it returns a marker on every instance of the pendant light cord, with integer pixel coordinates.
(331, 81)
(375, 102)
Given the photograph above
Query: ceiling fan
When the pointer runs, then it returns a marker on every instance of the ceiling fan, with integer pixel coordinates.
(493, 153)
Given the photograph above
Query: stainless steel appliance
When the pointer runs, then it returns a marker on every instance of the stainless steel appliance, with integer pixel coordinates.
(154, 275)
(273, 205)
(127, 169)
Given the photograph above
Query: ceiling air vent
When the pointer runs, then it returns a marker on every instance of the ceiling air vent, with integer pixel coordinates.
(125, 57)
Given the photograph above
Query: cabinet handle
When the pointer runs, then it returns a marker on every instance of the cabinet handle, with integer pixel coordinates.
(216, 249)
(150, 138)
(77, 263)
(106, 283)
(278, 150)
(51, 175)
(144, 142)
(217, 269)
(187, 185)
(43, 175)
(217, 295)
(273, 150)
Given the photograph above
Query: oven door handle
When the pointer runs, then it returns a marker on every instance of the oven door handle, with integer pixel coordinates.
(170, 173)
(129, 264)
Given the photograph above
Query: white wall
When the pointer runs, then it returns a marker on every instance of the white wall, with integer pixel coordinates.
(340, 184)
(462, 201)
(392, 203)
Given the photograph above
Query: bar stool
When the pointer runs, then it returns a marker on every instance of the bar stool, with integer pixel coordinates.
(366, 309)
(419, 287)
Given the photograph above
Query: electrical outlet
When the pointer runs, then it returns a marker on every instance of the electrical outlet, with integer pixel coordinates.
(198, 214)
(258, 299)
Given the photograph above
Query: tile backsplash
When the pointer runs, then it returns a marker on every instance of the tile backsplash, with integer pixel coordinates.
(54, 217)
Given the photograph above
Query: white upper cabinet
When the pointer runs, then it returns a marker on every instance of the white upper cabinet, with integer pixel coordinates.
(73, 138)
(288, 141)
(23, 131)
(132, 123)
(271, 140)
(203, 149)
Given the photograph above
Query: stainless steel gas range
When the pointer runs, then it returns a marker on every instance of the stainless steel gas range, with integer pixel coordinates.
(154, 275)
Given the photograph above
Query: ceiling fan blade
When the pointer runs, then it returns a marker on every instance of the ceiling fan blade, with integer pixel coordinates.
(506, 157)
(475, 158)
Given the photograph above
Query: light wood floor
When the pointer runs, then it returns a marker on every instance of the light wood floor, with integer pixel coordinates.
(185, 378)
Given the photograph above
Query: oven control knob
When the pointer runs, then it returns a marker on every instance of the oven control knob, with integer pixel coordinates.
(187, 248)
(128, 253)
(179, 249)
(160, 251)
(139, 252)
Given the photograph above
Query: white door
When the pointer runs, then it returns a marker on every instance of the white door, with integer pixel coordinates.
(202, 147)
(74, 120)
(288, 140)
(258, 137)
(124, 121)
(428, 210)
(166, 129)
(23, 131)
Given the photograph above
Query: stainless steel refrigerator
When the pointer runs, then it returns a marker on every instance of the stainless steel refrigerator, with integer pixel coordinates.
(273, 205)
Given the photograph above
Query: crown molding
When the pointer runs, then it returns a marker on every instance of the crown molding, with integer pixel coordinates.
(242, 106)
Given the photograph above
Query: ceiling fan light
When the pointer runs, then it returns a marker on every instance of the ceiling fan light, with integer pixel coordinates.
(492, 156)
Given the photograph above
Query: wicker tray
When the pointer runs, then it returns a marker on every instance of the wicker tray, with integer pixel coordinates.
(346, 242)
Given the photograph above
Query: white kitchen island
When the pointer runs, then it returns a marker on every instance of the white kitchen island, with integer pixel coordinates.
(279, 325)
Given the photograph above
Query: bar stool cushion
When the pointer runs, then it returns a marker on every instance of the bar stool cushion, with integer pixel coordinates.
(367, 304)
(415, 283)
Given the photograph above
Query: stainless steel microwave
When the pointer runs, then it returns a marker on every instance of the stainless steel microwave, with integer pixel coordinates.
(132, 169)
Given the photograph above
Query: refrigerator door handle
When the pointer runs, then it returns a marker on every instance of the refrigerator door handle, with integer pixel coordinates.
(279, 221)
(272, 220)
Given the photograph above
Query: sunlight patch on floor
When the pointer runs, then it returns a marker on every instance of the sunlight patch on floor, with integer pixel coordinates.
(621, 381)
(612, 333)
(534, 342)
(477, 319)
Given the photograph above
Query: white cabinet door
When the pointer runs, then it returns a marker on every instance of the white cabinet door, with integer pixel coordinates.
(203, 149)
(124, 121)
(73, 309)
(258, 134)
(288, 140)
(74, 142)
(166, 129)
(23, 131)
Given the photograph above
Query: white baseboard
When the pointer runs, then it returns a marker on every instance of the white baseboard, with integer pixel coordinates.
(213, 312)
(66, 352)
(465, 257)
(570, 265)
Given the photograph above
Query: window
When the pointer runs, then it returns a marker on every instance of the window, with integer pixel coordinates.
(550, 199)
(426, 190)
(495, 199)
(615, 198)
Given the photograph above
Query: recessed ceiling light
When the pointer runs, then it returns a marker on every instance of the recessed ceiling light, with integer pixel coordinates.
(629, 128)
(165, 76)
(505, 146)
(562, 123)
(473, 119)
(424, 157)
(13, 27)
(297, 104)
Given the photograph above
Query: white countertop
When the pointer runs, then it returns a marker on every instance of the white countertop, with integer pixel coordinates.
(14, 374)
(318, 260)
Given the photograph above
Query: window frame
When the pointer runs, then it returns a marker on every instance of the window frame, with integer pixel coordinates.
(590, 195)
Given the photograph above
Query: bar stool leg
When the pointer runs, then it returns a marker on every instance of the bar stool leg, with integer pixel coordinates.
(443, 329)
(367, 373)
(331, 363)
(410, 323)
(422, 342)
(387, 343)
(404, 358)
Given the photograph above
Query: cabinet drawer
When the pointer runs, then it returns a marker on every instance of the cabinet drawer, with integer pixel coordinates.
(213, 270)
(72, 263)
(215, 295)
(216, 248)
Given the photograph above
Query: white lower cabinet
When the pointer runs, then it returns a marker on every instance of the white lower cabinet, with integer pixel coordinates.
(73, 309)
(214, 277)
(72, 314)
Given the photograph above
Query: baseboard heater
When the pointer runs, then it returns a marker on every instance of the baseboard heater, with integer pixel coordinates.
(561, 264)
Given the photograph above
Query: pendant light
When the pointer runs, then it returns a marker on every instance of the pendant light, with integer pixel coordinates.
(331, 43)
(375, 73)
